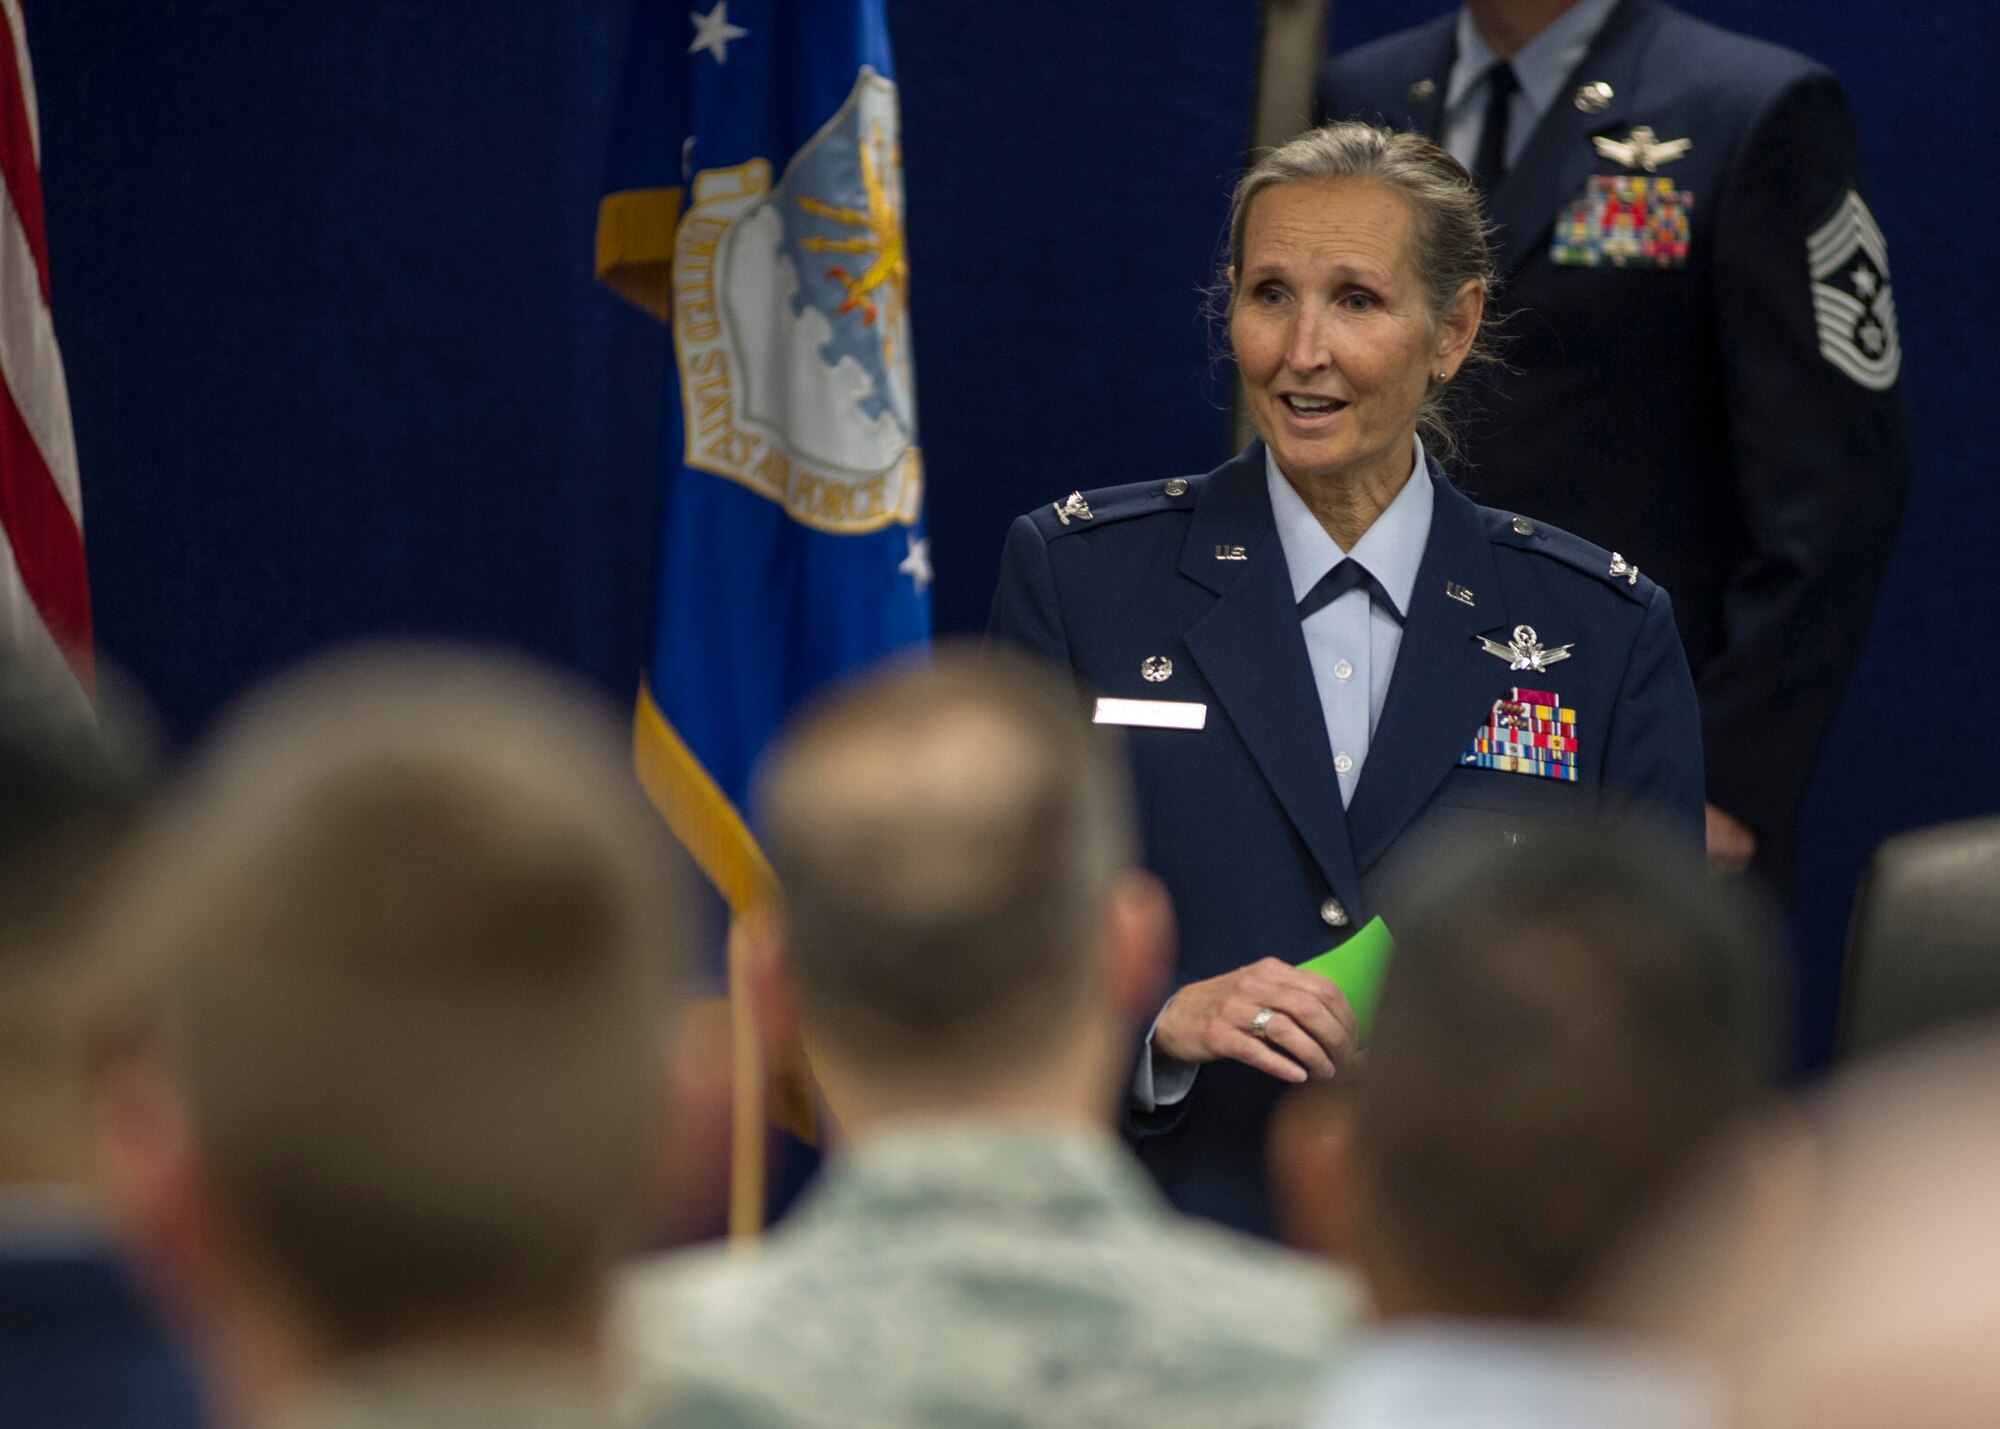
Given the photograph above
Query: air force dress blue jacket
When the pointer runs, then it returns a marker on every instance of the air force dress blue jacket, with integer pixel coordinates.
(1177, 594)
(1702, 360)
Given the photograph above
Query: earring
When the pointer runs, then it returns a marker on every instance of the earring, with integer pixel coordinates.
(1444, 377)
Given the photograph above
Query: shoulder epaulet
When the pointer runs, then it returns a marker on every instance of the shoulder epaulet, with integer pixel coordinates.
(1523, 534)
(1082, 511)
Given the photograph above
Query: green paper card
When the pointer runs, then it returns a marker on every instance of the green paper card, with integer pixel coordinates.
(1357, 966)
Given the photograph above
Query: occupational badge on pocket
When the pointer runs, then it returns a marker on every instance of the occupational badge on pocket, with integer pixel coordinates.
(1529, 732)
(1624, 221)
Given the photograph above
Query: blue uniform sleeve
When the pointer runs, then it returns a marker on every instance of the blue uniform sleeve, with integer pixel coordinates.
(1652, 756)
(1822, 457)
(1027, 611)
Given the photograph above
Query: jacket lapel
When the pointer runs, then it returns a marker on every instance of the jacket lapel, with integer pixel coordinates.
(1251, 649)
(1443, 685)
(1552, 165)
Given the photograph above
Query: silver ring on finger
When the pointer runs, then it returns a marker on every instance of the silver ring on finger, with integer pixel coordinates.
(1260, 1025)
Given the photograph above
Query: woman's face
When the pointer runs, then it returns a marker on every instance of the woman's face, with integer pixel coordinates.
(1332, 329)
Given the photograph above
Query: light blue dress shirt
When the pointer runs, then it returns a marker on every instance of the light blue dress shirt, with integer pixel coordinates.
(1351, 644)
(1493, 1374)
(1543, 67)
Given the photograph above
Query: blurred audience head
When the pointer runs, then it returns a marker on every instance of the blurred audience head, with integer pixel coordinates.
(397, 965)
(1874, 1301)
(70, 787)
(1569, 1030)
(962, 923)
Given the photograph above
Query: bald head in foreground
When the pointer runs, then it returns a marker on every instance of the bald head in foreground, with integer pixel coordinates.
(967, 946)
(378, 1090)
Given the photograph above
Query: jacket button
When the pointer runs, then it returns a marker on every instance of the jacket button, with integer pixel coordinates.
(1523, 526)
(1177, 487)
(1332, 914)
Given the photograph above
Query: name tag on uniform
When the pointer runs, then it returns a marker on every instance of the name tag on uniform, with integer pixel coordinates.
(1153, 714)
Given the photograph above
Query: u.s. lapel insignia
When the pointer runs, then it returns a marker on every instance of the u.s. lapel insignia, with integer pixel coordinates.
(1526, 652)
(1231, 553)
(1528, 732)
(1423, 89)
(1643, 150)
(1622, 567)
(1458, 592)
(1073, 505)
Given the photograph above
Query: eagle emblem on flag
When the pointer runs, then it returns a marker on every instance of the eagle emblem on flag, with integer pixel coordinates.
(792, 328)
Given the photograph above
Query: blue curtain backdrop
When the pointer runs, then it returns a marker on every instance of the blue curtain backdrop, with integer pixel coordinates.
(338, 367)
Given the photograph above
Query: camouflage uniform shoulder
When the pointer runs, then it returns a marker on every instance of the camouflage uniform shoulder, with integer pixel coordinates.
(1315, 1303)
(1082, 511)
(1608, 568)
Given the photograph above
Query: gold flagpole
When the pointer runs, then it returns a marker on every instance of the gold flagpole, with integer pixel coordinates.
(748, 1136)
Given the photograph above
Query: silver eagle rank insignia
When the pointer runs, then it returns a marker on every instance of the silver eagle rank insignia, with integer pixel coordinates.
(1072, 505)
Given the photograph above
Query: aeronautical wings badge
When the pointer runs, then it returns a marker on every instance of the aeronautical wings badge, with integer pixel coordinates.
(1643, 150)
(1526, 652)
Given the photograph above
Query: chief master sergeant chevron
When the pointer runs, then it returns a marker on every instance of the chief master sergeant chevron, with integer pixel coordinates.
(1325, 653)
(1702, 366)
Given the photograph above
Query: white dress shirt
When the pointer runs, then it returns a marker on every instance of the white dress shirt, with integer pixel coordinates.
(1351, 644)
(1543, 67)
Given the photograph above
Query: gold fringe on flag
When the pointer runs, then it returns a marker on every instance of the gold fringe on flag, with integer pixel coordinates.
(719, 841)
(635, 247)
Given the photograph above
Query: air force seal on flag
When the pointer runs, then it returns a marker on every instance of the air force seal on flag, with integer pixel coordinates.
(791, 326)
(1852, 304)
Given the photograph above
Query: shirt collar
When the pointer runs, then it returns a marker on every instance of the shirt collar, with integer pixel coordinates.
(440, 1390)
(1390, 550)
(1427, 1373)
(1543, 65)
(992, 1172)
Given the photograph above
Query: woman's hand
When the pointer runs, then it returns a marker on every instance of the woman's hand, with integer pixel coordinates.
(1311, 1031)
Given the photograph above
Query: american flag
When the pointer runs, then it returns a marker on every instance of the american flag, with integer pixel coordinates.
(44, 585)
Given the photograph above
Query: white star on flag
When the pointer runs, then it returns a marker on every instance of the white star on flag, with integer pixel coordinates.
(713, 32)
(917, 565)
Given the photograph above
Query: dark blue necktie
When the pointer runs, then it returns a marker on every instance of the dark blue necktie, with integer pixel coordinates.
(1348, 575)
(1489, 164)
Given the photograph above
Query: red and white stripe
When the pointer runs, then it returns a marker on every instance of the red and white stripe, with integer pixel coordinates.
(44, 584)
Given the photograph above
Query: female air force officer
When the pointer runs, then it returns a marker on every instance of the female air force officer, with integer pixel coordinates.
(1322, 649)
